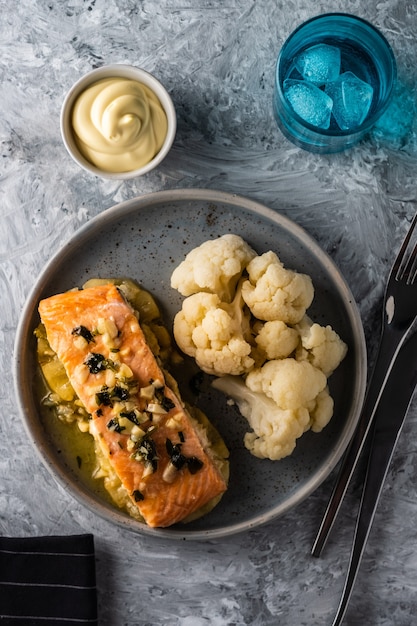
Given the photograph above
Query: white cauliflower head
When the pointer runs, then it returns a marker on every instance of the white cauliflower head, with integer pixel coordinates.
(211, 331)
(273, 292)
(321, 410)
(254, 334)
(291, 384)
(320, 345)
(274, 430)
(276, 340)
(214, 267)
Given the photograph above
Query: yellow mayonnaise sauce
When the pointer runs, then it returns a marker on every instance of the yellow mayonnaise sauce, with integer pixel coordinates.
(119, 124)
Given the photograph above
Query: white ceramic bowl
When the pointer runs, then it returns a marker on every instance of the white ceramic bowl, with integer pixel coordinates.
(117, 71)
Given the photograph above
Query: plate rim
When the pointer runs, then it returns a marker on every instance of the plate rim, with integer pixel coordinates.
(121, 210)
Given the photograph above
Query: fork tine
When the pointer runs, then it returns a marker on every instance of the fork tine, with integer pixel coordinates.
(411, 267)
(398, 267)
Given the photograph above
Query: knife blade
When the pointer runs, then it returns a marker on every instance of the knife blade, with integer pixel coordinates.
(389, 420)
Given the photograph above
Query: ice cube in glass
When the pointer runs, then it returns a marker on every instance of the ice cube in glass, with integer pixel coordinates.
(319, 64)
(352, 99)
(309, 102)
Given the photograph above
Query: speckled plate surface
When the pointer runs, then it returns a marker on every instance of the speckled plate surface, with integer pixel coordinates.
(145, 238)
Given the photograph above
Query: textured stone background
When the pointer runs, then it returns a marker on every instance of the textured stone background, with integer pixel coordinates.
(217, 60)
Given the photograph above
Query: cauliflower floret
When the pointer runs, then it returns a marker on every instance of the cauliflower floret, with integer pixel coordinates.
(276, 340)
(321, 410)
(275, 430)
(273, 292)
(279, 418)
(214, 267)
(320, 345)
(212, 332)
(291, 384)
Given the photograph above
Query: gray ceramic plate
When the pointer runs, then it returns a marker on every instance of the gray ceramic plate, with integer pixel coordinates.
(145, 238)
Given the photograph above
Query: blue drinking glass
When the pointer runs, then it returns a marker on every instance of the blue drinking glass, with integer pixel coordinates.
(364, 52)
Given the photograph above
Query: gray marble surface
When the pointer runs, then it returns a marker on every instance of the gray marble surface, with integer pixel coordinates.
(217, 60)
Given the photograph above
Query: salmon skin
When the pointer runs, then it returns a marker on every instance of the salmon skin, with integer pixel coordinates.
(152, 443)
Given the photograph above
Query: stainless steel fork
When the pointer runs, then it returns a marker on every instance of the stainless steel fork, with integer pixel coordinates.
(399, 314)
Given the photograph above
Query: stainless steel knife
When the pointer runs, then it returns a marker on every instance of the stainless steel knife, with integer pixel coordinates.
(388, 423)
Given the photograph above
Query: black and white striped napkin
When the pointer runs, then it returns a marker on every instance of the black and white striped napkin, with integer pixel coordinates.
(48, 581)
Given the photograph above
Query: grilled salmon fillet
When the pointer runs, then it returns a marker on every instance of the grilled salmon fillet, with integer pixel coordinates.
(139, 422)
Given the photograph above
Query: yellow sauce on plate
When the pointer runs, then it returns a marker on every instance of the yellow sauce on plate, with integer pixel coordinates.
(119, 124)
